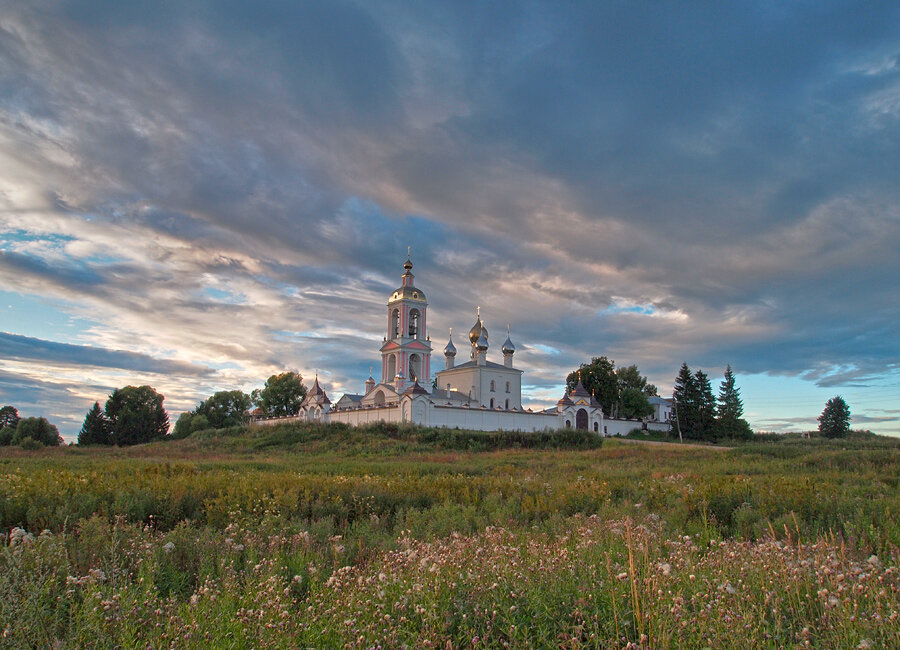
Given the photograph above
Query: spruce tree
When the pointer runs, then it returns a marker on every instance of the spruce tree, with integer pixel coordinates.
(729, 410)
(835, 419)
(95, 430)
(706, 407)
(685, 395)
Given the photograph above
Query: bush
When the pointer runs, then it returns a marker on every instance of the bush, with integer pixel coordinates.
(30, 444)
(38, 429)
(7, 435)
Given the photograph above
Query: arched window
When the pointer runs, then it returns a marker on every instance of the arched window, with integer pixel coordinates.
(392, 368)
(507, 403)
(596, 427)
(492, 402)
(414, 323)
(395, 323)
(492, 385)
(507, 387)
(415, 367)
(568, 424)
(379, 398)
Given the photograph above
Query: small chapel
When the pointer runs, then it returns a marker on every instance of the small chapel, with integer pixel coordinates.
(477, 394)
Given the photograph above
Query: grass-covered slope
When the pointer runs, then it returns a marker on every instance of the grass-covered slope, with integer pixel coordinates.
(297, 536)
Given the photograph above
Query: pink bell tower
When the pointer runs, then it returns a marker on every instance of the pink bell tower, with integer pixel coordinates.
(406, 352)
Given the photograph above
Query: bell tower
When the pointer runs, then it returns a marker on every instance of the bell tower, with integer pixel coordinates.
(406, 351)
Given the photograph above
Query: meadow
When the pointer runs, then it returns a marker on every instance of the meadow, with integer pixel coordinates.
(325, 536)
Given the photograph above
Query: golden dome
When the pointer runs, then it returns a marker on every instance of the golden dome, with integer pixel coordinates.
(477, 330)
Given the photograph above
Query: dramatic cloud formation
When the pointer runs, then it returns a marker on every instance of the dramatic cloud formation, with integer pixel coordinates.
(197, 195)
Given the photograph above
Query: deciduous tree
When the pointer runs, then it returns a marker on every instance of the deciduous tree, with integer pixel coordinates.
(9, 417)
(282, 395)
(599, 378)
(227, 408)
(136, 415)
(38, 429)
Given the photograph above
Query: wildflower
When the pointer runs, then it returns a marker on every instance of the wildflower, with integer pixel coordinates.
(168, 547)
(624, 575)
(865, 644)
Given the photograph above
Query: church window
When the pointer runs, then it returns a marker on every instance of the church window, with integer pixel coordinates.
(379, 398)
(492, 402)
(414, 323)
(395, 323)
(596, 427)
(507, 404)
(391, 368)
(415, 367)
(507, 387)
(568, 424)
(492, 385)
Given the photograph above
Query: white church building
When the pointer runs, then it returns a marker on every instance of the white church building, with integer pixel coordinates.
(476, 394)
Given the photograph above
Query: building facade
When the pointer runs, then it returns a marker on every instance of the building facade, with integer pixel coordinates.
(477, 394)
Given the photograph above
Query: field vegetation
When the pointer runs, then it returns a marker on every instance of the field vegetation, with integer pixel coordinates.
(327, 536)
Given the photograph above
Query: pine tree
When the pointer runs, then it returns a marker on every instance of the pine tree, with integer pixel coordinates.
(729, 410)
(706, 407)
(835, 419)
(95, 430)
(685, 394)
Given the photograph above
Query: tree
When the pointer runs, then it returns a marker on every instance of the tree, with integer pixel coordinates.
(136, 415)
(281, 395)
(39, 430)
(634, 390)
(686, 397)
(599, 378)
(182, 427)
(729, 409)
(835, 419)
(227, 408)
(199, 423)
(9, 417)
(95, 430)
(7, 436)
(706, 407)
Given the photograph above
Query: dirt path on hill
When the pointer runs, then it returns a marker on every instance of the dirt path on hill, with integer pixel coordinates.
(673, 445)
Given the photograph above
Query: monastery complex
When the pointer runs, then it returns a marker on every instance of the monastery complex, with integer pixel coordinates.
(475, 394)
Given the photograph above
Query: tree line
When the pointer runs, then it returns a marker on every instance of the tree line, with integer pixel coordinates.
(700, 415)
(29, 433)
(135, 414)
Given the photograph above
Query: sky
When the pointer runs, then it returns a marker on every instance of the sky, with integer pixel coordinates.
(197, 195)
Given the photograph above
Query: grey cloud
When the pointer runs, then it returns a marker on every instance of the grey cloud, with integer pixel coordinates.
(15, 346)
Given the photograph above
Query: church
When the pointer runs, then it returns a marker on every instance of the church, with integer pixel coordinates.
(476, 394)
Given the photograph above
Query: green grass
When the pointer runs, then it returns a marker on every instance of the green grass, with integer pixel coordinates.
(327, 536)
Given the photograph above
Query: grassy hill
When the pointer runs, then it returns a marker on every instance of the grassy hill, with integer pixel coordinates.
(324, 536)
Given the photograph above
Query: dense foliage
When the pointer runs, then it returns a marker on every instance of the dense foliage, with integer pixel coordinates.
(281, 395)
(9, 417)
(621, 392)
(226, 408)
(135, 415)
(96, 428)
(36, 431)
(700, 416)
(835, 419)
(329, 536)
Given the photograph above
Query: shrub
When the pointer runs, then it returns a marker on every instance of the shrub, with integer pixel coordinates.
(38, 429)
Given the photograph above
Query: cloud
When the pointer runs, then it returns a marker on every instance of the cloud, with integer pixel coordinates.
(197, 180)
(27, 348)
